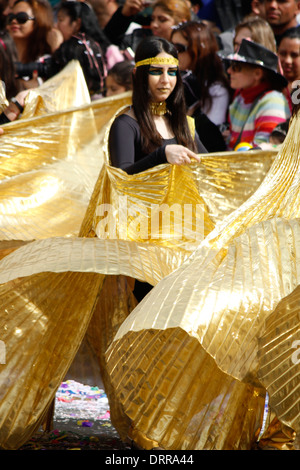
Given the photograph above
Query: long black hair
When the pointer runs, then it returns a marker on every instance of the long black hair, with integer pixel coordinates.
(8, 57)
(151, 47)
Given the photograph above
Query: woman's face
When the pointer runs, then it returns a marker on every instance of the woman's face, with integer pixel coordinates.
(161, 23)
(289, 55)
(17, 30)
(243, 76)
(66, 26)
(112, 87)
(243, 33)
(181, 45)
(162, 79)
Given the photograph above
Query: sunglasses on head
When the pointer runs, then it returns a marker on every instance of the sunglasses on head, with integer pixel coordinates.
(21, 17)
(179, 47)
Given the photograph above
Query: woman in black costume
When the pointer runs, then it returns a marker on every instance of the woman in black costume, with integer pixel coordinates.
(155, 130)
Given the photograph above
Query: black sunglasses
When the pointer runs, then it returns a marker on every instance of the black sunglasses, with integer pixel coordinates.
(179, 47)
(21, 18)
(236, 66)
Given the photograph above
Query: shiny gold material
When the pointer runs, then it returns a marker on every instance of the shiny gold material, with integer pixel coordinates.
(158, 60)
(158, 109)
(3, 100)
(50, 158)
(189, 366)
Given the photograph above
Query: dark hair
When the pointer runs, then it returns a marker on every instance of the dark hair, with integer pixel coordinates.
(206, 65)
(8, 57)
(43, 23)
(89, 23)
(291, 33)
(89, 54)
(151, 47)
(122, 73)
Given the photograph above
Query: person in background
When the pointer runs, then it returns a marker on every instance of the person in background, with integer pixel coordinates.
(206, 83)
(115, 21)
(226, 38)
(259, 104)
(289, 55)
(74, 17)
(119, 78)
(32, 28)
(118, 20)
(8, 58)
(195, 7)
(31, 25)
(83, 41)
(255, 28)
(14, 93)
(279, 134)
(230, 12)
(258, 8)
(281, 15)
(165, 15)
(259, 30)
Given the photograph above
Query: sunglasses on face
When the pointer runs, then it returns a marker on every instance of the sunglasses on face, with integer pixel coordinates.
(179, 47)
(21, 17)
(236, 67)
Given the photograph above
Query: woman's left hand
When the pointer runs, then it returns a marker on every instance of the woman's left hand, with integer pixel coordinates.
(21, 96)
(180, 155)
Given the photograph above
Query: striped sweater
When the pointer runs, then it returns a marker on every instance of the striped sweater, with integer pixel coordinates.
(269, 111)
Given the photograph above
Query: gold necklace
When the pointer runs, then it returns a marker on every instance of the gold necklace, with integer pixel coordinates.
(158, 109)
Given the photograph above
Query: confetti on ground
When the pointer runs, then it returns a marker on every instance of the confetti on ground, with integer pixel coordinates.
(81, 422)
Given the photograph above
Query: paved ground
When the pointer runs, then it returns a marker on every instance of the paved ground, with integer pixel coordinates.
(81, 412)
(81, 416)
(81, 422)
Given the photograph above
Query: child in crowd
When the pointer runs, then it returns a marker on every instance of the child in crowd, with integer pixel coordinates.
(119, 78)
(259, 104)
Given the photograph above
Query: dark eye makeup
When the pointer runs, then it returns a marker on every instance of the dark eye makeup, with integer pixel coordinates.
(172, 72)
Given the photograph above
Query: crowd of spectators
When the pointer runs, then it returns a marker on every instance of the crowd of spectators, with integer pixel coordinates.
(39, 37)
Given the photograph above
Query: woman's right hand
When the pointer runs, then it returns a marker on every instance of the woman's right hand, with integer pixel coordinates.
(180, 155)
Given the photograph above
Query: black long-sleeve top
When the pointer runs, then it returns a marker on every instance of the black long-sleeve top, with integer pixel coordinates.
(4, 119)
(126, 151)
(117, 26)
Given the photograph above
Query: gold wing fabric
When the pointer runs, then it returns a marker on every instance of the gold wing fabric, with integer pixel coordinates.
(189, 366)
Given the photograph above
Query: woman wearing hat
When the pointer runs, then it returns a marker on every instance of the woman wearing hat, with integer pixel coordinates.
(259, 104)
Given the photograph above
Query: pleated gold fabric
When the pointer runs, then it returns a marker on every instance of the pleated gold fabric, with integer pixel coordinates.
(189, 366)
(51, 158)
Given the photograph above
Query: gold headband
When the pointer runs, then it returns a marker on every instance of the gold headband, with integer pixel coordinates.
(158, 60)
